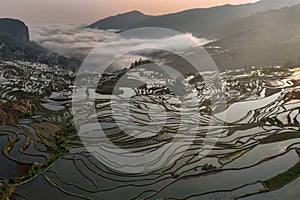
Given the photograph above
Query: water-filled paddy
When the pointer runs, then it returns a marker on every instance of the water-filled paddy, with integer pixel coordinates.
(223, 151)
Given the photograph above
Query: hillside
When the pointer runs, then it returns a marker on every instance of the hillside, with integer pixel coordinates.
(201, 22)
(267, 38)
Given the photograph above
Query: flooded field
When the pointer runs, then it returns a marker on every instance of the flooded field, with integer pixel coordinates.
(243, 146)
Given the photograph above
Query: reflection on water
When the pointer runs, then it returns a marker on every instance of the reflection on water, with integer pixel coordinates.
(255, 134)
(251, 137)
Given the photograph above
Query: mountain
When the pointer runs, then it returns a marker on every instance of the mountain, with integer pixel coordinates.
(202, 22)
(15, 48)
(120, 21)
(267, 38)
(14, 28)
(16, 45)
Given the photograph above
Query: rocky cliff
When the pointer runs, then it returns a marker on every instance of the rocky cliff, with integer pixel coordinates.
(14, 28)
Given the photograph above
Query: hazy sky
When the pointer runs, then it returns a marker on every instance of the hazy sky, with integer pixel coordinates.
(37, 12)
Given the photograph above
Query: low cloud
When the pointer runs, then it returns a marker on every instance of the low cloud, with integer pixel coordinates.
(69, 40)
(135, 48)
(79, 41)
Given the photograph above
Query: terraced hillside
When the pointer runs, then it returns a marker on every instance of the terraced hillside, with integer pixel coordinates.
(34, 122)
(256, 149)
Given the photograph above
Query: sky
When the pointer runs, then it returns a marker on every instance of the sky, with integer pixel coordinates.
(43, 12)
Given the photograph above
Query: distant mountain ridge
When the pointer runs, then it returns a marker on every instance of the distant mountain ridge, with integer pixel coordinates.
(14, 28)
(121, 21)
(202, 22)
